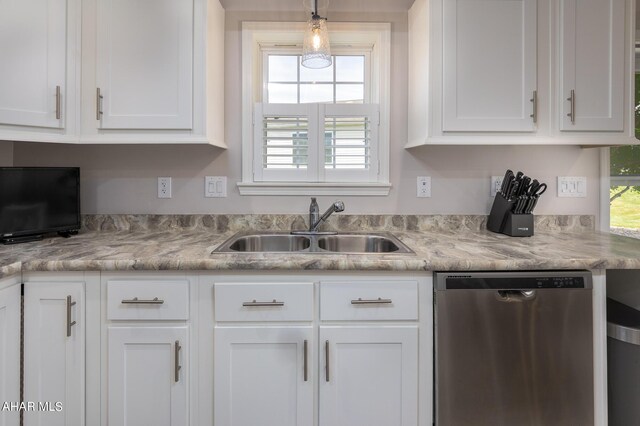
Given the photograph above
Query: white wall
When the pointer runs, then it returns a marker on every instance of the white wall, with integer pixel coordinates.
(121, 179)
(6, 153)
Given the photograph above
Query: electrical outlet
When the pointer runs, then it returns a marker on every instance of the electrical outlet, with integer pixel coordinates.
(215, 186)
(164, 187)
(572, 186)
(424, 186)
(496, 183)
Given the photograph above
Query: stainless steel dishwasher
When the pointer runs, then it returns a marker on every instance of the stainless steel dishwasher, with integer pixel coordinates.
(514, 348)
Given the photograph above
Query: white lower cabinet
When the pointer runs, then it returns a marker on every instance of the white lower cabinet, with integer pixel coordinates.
(370, 376)
(54, 353)
(263, 376)
(9, 351)
(341, 352)
(147, 368)
(147, 376)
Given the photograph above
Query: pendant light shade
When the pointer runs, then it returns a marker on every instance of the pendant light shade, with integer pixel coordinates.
(316, 49)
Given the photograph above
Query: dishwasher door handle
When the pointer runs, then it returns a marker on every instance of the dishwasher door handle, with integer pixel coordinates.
(515, 295)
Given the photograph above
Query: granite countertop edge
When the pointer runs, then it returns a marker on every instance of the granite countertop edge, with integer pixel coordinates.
(434, 251)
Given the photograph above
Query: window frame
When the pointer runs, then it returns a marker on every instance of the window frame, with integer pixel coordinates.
(260, 38)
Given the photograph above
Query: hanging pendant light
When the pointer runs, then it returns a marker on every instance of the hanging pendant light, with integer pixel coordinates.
(316, 50)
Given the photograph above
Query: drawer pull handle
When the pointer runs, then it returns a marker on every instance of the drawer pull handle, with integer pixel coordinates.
(572, 111)
(99, 98)
(378, 301)
(306, 356)
(326, 361)
(254, 303)
(177, 366)
(58, 104)
(69, 322)
(136, 301)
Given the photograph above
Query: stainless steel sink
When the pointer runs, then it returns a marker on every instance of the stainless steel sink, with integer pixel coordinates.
(267, 243)
(359, 243)
(281, 242)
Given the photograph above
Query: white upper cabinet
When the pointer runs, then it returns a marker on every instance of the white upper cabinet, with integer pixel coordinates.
(33, 52)
(144, 67)
(515, 72)
(37, 76)
(153, 72)
(592, 65)
(489, 65)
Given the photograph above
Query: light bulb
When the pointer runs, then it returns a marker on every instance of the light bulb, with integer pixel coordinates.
(316, 39)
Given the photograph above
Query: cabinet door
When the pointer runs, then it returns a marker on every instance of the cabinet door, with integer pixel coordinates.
(10, 352)
(489, 68)
(147, 376)
(369, 376)
(54, 352)
(33, 51)
(592, 65)
(262, 376)
(145, 63)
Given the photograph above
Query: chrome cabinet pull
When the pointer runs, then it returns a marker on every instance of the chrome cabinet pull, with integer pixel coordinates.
(305, 361)
(177, 366)
(534, 100)
(378, 301)
(254, 303)
(98, 104)
(136, 301)
(572, 113)
(58, 103)
(326, 360)
(69, 322)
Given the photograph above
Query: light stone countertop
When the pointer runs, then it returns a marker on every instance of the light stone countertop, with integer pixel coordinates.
(122, 243)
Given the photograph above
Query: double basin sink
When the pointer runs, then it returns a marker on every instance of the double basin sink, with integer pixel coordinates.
(285, 242)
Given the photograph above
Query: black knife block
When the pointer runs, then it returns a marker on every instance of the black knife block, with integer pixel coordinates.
(502, 220)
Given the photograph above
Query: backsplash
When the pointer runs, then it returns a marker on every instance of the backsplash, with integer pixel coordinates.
(282, 222)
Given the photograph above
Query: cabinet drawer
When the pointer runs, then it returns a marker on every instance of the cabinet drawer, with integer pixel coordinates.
(362, 301)
(147, 300)
(264, 302)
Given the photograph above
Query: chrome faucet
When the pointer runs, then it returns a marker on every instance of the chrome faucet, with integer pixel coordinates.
(315, 221)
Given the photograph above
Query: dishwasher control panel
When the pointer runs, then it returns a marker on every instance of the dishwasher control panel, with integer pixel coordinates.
(513, 281)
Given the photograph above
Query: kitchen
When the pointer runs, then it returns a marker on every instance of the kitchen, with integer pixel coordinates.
(168, 177)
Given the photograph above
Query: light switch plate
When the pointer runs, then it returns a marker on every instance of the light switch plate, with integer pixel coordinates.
(424, 186)
(215, 186)
(572, 186)
(164, 187)
(496, 183)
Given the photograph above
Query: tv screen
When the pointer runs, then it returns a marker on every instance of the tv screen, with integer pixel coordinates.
(39, 200)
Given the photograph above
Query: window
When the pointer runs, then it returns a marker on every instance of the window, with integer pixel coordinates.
(315, 132)
(624, 195)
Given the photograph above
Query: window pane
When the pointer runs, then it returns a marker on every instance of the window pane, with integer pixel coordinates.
(316, 93)
(282, 93)
(313, 75)
(350, 68)
(283, 68)
(350, 93)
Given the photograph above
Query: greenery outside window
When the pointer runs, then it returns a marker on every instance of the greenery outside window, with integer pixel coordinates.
(625, 181)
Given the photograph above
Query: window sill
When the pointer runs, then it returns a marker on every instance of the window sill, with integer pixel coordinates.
(314, 188)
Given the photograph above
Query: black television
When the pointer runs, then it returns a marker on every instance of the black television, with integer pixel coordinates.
(35, 201)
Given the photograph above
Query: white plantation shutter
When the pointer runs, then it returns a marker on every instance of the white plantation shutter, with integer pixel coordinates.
(350, 150)
(316, 142)
(285, 140)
